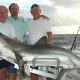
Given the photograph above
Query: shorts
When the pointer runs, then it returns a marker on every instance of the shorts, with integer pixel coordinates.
(8, 65)
(42, 41)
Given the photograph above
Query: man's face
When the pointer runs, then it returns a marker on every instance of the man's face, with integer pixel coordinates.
(35, 11)
(3, 14)
(14, 10)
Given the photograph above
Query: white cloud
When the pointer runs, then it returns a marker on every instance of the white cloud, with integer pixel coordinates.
(68, 11)
(46, 2)
(67, 3)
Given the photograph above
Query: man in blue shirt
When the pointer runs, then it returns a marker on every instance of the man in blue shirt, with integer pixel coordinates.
(17, 22)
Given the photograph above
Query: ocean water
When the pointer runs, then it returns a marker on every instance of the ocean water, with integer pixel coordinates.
(65, 39)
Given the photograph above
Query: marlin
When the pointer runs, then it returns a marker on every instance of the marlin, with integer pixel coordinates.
(37, 55)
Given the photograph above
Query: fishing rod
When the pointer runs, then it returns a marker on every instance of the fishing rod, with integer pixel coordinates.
(73, 44)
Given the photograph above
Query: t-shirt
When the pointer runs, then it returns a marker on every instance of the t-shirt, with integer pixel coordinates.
(37, 29)
(7, 30)
(18, 25)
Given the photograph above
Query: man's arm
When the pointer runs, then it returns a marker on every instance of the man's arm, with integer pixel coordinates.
(45, 17)
(49, 37)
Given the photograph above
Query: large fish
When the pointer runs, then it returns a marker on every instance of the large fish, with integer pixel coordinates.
(28, 53)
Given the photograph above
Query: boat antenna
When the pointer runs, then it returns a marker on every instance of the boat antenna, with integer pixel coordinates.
(73, 44)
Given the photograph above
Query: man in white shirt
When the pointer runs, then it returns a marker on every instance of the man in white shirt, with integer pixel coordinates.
(39, 30)
(7, 30)
(38, 27)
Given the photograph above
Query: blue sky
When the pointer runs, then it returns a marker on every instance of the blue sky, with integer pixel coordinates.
(25, 4)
